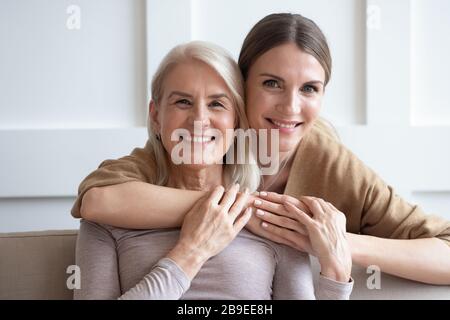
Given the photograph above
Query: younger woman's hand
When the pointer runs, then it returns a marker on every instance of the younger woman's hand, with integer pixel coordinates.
(310, 225)
(209, 227)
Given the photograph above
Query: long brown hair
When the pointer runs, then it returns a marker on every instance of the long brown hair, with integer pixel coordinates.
(280, 28)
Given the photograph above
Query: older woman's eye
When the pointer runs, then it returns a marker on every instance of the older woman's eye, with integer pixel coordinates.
(271, 83)
(216, 104)
(183, 101)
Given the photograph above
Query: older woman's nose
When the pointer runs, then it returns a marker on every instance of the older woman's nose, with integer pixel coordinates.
(201, 114)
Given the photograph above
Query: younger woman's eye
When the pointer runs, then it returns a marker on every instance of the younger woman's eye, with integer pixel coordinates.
(310, 89)
(271, 83)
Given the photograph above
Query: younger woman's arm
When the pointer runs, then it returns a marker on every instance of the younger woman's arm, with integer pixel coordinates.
(138, 205)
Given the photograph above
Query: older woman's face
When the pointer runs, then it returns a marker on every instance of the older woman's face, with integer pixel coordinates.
(196, 97)
(284, 91)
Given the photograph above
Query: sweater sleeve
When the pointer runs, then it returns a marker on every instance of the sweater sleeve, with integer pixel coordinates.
(138, 166)
(293, 279)
(325, 168)
(166, 281)
(388, 215)
(328, 289)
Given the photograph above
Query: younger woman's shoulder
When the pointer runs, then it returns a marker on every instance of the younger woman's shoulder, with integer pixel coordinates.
(322, 152)
(323, 142)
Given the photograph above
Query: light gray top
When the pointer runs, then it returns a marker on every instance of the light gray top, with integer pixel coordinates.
(128, 264)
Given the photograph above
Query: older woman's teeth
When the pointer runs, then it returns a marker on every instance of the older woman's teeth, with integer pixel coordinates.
(199, 139)
(282, 125)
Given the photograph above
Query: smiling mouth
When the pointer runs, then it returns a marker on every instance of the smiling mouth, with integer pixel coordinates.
(284, 124)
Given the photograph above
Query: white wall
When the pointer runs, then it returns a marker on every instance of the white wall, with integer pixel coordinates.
(227, 22)
(430, 52)
(56, 77)
(72, 98)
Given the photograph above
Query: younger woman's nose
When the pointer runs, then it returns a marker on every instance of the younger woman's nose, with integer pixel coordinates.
(290, 104)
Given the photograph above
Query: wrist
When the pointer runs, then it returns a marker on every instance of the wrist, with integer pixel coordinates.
(188, 258)
(358, 247)
(335, 271)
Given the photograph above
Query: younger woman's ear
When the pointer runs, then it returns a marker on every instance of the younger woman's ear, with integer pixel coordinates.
(153, 114)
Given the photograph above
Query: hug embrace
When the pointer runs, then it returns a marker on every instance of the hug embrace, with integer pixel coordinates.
(211, 227)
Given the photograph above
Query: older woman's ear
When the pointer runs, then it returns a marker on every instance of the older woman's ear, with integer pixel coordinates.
(153, 114)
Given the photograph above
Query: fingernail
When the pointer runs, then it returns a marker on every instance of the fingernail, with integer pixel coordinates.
(258, 202)
(259, 212)
(264, 225)
(263, 193)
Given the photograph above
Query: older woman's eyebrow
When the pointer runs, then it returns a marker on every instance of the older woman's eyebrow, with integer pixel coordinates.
(180, 93)
(187, 95)
(218, 96)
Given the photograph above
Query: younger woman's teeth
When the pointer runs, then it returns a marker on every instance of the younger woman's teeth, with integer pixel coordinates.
(283, 125)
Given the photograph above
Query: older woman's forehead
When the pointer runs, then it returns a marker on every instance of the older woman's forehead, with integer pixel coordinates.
(195, 77)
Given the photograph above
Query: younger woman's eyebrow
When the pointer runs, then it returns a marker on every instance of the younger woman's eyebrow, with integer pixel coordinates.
(271, 76)
(315, 82)
(281, 79)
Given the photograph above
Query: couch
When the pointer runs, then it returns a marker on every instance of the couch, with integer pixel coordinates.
(33, 265)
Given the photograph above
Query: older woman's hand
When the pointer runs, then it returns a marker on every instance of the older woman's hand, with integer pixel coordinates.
(310, 225)
(209, 227)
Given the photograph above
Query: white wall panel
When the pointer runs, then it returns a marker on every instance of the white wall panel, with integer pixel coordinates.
(430, 52)
(55, 77)
(71, 99)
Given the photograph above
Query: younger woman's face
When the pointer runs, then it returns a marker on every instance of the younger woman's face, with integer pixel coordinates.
(284, 91)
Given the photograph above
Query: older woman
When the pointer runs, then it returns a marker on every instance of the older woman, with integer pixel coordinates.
(196, 85)
(286, 64)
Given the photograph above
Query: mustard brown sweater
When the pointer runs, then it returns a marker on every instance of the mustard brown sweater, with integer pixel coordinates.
(322, 167)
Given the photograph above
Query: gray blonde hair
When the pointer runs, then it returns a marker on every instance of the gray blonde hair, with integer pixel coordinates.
(248, 174)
